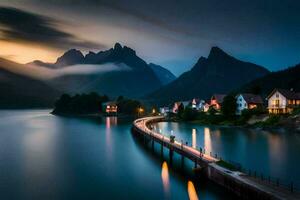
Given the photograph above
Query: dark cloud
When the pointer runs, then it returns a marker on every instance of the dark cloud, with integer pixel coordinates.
(23, 26)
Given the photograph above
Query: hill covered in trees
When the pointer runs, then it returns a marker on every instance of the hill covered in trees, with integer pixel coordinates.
(285, 79)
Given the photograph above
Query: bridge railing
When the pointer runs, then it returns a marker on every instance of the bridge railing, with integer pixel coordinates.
(292, 186)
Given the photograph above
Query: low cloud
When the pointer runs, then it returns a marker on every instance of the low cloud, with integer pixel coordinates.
(21, 26)
(89, 69)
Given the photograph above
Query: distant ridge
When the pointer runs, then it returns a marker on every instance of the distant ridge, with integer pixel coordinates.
(284, 79)
(137, 80)
(218, 73)
(164, 75)
(21, 91)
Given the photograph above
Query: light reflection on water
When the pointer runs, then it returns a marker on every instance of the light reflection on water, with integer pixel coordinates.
(109, 122)
(165, 178)
(192, 191)
(207, 141)
(50, 157)
(194, 140)
(270, 152)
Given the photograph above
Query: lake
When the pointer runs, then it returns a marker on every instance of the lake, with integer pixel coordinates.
(273, 153)
(49, 157)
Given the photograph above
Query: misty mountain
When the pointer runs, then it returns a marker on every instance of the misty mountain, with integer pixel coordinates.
(22, 91)
(164, 75)
(218, 73)
(131, 76)
(284, 79)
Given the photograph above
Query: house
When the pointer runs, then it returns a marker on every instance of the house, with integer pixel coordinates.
(198, 104)
(179, 104)
(110, 108)
(186, 104)
(282, 101)
(206, 107)
(176, 106)
(216, 101)
(247, 101)
(164, 110)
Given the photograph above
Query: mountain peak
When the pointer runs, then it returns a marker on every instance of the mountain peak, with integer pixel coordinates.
(117, 46)
(71, 57)
(217, 52)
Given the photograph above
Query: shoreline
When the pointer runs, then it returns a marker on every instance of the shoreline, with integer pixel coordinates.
(246, 126)
(91, 115)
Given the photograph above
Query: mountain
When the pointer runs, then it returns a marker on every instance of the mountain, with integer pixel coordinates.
(218, 73)
(164, 75)
(40, 63)
(129, 75)
(71, 57)
(19, 90)
(285, 79)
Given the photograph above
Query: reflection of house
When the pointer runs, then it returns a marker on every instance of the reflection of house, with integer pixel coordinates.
(283, 101)
(110, 107)
(216, 101)
(247, 101)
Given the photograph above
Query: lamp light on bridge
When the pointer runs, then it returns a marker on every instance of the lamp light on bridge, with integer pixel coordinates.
(153, 111)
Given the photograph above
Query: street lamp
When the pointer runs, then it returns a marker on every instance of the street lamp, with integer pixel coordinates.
(140, 110)
(153, 111)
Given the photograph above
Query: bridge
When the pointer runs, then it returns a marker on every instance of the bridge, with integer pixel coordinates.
(240, 183)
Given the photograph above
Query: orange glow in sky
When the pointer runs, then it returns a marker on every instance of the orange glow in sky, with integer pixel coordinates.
(24, 53)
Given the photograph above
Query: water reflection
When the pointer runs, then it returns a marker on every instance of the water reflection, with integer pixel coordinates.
(268, 152)
(165, 177)
(194, 139)
(109, 121)
(192, 191)
(207, 140)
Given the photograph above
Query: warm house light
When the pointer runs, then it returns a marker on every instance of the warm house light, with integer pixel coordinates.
(252, 106)
(111, 108)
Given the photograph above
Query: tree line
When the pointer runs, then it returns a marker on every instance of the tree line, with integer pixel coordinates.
(92, 103)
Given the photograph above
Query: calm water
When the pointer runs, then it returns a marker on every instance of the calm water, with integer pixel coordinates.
(274, 153)
(48, 157)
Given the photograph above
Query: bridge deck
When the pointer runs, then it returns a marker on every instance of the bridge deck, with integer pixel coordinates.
(181, 148)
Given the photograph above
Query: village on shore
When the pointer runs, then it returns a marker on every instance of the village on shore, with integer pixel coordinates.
(245, 109)
(279, 101)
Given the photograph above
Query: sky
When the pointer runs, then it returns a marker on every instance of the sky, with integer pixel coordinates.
(173, 34)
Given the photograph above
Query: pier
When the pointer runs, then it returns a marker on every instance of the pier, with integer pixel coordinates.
(243, 185)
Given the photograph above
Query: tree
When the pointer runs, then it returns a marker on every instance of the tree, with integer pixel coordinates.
(229, 106)
(189, 114)
(79, 104)
(212, 110)
(180, 110)
(128, 106)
